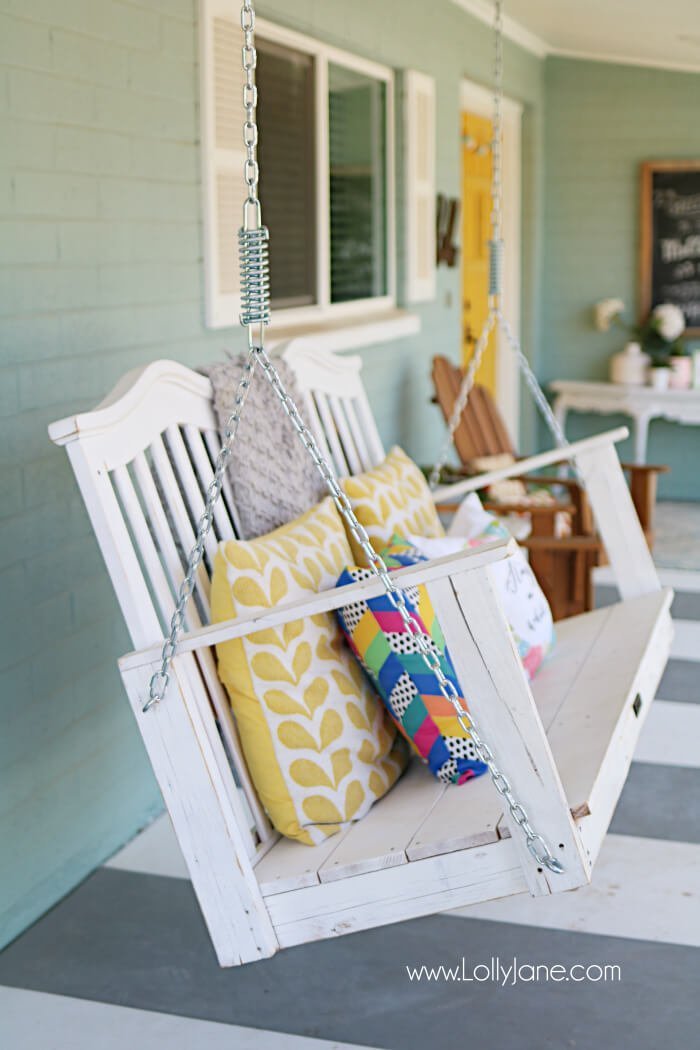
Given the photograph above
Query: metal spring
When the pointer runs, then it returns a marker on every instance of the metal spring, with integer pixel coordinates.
(495, 267)
(255, 275)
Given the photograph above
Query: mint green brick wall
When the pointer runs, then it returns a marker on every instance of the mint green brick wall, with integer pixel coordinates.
(602, 120)
(100, 270)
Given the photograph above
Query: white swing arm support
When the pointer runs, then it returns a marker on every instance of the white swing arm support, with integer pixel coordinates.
(468, 561)
(182, 749)
(617, 521)
(446, 493)
(498, 694)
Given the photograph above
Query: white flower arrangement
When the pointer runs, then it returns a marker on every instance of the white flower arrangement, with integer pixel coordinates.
(660, 335)
(669, 321)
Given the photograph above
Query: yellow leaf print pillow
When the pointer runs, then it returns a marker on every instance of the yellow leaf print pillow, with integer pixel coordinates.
(392, 498)
(316, 738)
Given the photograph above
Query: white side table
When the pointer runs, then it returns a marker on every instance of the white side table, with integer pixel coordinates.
(642, 403)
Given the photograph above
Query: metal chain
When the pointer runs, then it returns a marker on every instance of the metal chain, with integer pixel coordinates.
(256, 314)
(497, 128)
(253, 239)
(495, 318)
(536, 845)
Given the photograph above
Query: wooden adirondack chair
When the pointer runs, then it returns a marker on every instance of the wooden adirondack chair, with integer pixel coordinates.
(563, 565)
(143, 460)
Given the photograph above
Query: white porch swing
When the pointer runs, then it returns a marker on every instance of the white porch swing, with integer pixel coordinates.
(558, 750)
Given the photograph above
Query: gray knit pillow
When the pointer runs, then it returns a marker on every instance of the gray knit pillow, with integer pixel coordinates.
(272, 475)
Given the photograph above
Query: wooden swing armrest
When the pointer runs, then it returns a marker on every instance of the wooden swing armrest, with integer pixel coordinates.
(325, 601)
(545, 510)
(646, 468)
(513, 508)
(548, 480)
(588, 544)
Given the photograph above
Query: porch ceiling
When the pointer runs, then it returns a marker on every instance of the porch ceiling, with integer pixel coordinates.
(636, 31)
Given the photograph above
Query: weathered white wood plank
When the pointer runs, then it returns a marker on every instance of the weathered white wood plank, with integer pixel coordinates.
(629, 655)
(574, 646)
(144, 542)
(170, 494)
(624, 733)
(396, 894)
(291, 865)
(351, 411)
(205, 656)
(465, 815)
(326, 600)
(352, 458)
(617, 521)
(191, 769)
(190, 489)
(194, 441)
(381, 838)
(339, 462)
(505, 713)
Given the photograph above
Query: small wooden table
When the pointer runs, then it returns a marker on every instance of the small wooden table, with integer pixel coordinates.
(642, 403)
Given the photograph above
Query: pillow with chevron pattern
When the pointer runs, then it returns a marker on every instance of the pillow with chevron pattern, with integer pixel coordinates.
(388, 652)
(315, 735)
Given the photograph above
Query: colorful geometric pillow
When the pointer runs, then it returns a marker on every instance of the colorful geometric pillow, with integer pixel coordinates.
(392, 498)
(389, 654)
(319, 746)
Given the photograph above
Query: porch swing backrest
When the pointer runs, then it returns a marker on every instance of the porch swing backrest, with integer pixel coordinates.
(144, 461)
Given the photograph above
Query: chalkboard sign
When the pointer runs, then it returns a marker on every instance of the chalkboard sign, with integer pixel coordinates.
(670, 238)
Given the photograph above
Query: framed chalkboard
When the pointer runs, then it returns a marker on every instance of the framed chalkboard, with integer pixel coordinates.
(670, 238)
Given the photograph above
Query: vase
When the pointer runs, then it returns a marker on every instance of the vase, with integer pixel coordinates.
(659, 378)
(629, 366)
(681, 377)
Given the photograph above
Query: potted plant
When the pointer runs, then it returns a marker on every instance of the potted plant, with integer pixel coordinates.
(681, 365)
(659, 371)
(661, 338)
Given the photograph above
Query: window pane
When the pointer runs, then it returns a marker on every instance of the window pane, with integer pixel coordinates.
(285, 81)
(357, 128)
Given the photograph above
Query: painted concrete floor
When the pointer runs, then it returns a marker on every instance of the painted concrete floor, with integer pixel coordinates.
(125, 961)
(677, 543)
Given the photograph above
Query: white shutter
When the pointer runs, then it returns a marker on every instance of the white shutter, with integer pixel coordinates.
(223, 156)
(419, 185)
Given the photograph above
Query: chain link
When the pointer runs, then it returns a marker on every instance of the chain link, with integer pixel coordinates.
(251, 172)
(430, 654)
(161, 679)
(428, 651)
(495, 318)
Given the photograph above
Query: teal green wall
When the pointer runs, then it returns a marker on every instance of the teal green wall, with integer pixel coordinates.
(602, 120)
(100, 251)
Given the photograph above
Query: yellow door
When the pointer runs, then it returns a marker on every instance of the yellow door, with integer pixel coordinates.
(476, 215)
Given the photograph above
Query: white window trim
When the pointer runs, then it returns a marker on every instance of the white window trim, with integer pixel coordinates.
(322, 54)
(479, 100)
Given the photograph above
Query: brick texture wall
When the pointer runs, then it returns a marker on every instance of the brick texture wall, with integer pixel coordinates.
(100, 270)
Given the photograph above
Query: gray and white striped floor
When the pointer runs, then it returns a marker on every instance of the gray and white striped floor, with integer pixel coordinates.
(125, 960)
